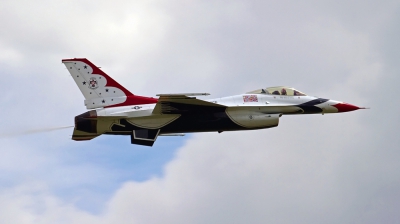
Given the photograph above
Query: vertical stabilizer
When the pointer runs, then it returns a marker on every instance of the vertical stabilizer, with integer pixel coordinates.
(98, 88)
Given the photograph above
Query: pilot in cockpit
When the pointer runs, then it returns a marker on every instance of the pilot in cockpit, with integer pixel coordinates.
(279, 90)
(276, 92)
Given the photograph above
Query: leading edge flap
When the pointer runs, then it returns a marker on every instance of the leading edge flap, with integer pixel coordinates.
(180, 103)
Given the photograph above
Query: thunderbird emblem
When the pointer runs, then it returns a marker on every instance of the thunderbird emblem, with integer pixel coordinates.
(93, 83)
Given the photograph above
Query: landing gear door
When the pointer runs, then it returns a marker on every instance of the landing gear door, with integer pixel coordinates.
(145, 137)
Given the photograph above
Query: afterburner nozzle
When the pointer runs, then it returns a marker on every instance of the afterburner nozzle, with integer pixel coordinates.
(86, 122)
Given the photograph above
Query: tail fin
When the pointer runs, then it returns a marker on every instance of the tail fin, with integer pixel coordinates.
(98, 88)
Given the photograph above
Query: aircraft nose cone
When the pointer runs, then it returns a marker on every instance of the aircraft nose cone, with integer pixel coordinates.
(346, 107)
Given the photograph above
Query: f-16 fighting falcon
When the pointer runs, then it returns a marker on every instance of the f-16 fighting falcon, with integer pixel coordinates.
(114, 110)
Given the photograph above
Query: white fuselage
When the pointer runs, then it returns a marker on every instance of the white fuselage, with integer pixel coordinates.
(250, 115)
(270, 104)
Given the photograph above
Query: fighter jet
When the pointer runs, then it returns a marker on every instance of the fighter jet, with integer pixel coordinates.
(114, 110)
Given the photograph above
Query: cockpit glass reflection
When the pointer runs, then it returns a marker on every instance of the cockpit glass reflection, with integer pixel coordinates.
(279, 90)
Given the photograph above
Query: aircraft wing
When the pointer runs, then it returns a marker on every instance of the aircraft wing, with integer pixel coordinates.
(184, 103)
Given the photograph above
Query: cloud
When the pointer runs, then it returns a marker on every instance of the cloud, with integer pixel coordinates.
(33, 203)
(285, 175)
(330, 169)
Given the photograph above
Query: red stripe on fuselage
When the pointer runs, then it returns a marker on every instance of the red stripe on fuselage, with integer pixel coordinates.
(135, 100)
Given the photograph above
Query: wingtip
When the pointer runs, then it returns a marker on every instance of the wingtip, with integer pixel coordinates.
(73, 59)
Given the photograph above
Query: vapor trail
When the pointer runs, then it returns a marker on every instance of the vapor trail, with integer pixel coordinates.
(27, 132)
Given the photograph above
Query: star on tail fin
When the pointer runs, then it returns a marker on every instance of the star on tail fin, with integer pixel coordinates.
(99, 89)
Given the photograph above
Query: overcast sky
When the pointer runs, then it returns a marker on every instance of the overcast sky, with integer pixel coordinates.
(340, 168)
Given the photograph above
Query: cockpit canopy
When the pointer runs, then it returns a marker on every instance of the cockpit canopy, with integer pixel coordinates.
(279, 90)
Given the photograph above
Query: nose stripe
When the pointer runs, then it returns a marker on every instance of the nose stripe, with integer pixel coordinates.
(314, 102)
(310, 108)
(345, 107)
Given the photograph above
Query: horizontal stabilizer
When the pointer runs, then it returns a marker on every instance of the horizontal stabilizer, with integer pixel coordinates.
(83, 136)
